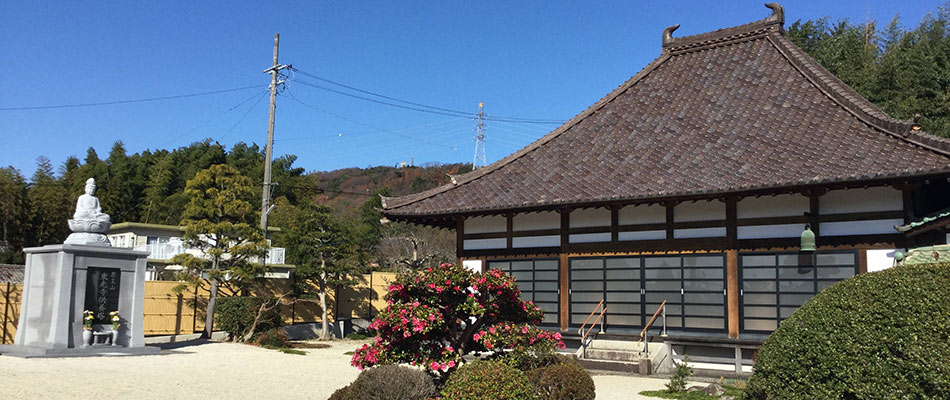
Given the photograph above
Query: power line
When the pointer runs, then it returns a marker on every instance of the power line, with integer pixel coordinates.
(417, 106)
(232, 108)
(108, 103)
(259, 98)
(294, 98)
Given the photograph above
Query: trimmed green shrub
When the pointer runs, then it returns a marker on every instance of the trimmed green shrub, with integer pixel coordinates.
(874, 336)
(562, 381)
(356, 336)
(235, 315)
(342, 393)
(274, 338)
(488, 380)
(391, 382)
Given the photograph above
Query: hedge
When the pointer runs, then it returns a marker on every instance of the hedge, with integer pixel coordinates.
(883, 335)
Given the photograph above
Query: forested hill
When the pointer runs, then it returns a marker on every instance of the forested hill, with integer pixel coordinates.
(345, 190)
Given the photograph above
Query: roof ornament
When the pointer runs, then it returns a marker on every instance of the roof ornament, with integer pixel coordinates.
(452, 178)
(778, 13)
(916, 125)
(668, 34)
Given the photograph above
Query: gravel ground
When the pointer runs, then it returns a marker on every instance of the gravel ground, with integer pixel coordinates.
(210, 370)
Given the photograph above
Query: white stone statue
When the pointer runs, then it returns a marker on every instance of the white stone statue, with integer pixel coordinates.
(89, 223)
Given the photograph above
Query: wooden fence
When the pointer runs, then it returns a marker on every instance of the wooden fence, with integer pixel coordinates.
(171, 313)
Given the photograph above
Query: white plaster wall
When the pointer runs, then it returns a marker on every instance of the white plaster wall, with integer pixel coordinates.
(589, 237)
(590, 217)
(872, 227)
(536, 241)
(698, 233)
(861, 200)
(785, 205)
(699, 211)
(642, 235)
(770, 231)
(880, 259)
(481, 244)
(473, 265)
(489, 224)
(651, 214)
(532, 221)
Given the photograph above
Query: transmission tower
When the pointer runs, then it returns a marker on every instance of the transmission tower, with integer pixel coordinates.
(479, 137)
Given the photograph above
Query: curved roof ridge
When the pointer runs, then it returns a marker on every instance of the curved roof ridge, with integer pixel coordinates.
(460, 180)
(725, 36)
(852, 101)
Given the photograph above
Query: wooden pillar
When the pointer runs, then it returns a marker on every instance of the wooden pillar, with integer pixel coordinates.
(732, 291)
(565, 315)
(863, 261)
(509, 230)
(615, 223)
(669, 220)
(814, 213)
(565, 278)
(732, 229)
(459, 239)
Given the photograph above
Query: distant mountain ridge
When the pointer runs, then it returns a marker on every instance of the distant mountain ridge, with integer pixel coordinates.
(346, 189)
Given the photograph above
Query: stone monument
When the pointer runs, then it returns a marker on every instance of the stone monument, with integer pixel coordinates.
(63, 283)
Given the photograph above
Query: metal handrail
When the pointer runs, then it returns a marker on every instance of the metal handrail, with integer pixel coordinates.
(590, 316)
(643, 333)
(580, 331)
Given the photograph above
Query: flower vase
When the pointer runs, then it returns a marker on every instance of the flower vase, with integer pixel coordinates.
(115, 336)
(86, 337)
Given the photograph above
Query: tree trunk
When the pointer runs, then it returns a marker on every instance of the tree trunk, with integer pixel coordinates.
(324, 327)
(209, 318)
(212, 297)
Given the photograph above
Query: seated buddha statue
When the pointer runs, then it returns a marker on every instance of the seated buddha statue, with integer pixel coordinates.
(87, 206)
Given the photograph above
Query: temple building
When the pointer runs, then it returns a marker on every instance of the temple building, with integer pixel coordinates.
(693, 183)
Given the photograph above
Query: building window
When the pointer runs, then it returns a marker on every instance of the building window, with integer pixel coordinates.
(538, 281)
(774, 285)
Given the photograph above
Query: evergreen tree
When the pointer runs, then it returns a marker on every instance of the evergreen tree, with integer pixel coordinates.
(324, 254)
(220, 223)
(48, 206)
(13, 224)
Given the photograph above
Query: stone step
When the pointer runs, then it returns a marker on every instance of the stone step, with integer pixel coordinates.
(625, 345)
(614, 366)
(613, 355)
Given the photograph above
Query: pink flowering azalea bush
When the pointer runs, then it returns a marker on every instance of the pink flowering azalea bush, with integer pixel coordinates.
(436, 316)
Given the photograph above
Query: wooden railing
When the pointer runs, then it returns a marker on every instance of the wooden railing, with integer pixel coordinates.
(600, 317)
(643, 333)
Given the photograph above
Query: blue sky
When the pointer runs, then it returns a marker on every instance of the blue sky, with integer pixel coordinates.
(527, 59)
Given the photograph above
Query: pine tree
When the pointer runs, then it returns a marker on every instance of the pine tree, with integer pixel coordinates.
(220, 223)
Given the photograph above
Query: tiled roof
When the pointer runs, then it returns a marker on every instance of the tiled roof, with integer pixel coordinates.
(10, 273)
(732, 111)
(936, 220)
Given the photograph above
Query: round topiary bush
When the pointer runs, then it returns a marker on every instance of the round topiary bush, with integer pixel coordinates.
(391, 382)
(488, 380)
(874, 336)
(563, 381)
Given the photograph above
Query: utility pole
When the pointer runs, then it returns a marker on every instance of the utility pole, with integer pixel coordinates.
(479, 137)
(274, 72)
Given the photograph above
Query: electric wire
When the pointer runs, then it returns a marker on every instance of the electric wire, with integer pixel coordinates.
(243, 116)
(414, 106)
(108, 103)
(216, 117)
(294, 98)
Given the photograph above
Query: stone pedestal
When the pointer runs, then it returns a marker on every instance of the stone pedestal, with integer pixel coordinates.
(61, 281)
